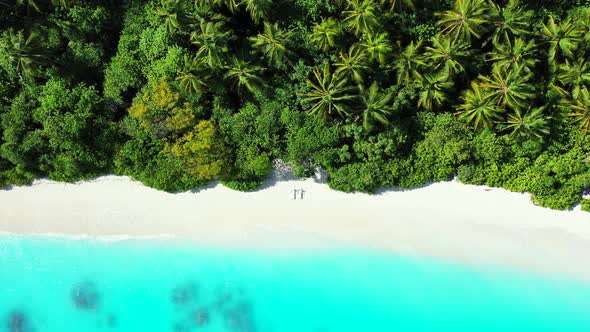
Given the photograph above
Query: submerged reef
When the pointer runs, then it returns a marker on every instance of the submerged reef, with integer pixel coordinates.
(17, 321)
(232, 302)
(228, 294)
(240, 318)
(181, 327)
(111, 320)
(85, 296)
(201, 316)
(229, 306)
(184, 294)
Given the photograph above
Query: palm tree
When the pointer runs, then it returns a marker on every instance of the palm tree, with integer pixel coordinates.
(578, 109)
(575, 75)
(173, 14)
(408, 62)
(377, 47)
(376, 106)
(329, 93)
(399, 4)
(257, 8)
(510, 21)
(517, 53)
(325, 34)
(26, 53)
(62, 3)
(584, 22)
(206, 13)
(352, 65)
(467, 19)
(531, 124)
(242, 74)
(446, 55)
(361, 16)
(29, 4)
(562, 38)
(509, 87)
(433, 90)
(212, 43)
(193, 78)
(274, 44)
(232, 5)
(478, 108)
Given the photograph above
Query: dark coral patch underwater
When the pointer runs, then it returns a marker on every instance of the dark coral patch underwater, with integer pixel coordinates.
(17, 321)
(85, 296)
(184, 294)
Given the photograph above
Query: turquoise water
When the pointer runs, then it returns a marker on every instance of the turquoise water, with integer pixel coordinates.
(51, 285)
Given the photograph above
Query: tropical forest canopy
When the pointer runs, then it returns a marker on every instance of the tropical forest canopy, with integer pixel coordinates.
(177, 93)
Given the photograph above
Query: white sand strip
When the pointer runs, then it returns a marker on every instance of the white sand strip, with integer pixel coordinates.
(472, 224)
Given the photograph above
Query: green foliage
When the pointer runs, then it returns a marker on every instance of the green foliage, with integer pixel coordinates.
(436, 157)
(88, 54)
(15, 176)
(329, 93)
(255, 132)
(177, 93)
(510, 21)
(408, 62)
(515, 53)
(313, 10)
(478, 108)
(444, 54)
(530, 124)
(307, 139)
(554, 180)
(352, 65)
(370, 163)
(362, 16)
(363, 177)
(124, 70)
(563, 39)
(64, 135)
(173, 14)
(242, 185)
(258, 9)
(274, 44)
(377, 47)
(510, 88)
(22, 53)
(326, 34)
(243, 75)
(141, 159)
(203, 151)
(89, 19)
(211, 40)
(75, 128)
(376, 107)
(433, 90)
(468, 19)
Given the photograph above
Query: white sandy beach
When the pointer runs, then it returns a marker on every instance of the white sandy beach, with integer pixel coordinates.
(456, 222)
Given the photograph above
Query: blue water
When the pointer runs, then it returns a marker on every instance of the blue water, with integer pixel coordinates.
(51, 285)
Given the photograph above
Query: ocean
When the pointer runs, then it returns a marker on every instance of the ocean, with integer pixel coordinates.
(59, 285)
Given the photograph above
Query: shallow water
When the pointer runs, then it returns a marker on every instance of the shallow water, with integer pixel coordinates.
(51, 285)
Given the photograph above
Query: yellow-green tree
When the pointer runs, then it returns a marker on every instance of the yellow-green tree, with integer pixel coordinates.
(203, 151)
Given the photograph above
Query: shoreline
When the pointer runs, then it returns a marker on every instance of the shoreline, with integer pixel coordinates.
(474, 225)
